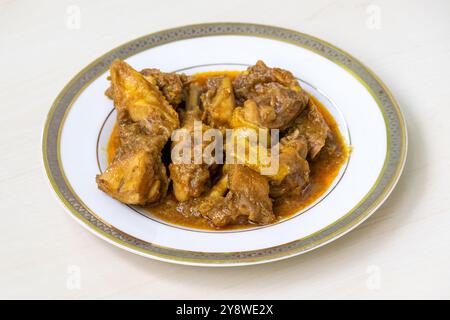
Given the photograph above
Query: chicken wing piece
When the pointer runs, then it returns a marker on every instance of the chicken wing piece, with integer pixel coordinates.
(313, 127)
(218, 102)
(272, 96)
(145, 123)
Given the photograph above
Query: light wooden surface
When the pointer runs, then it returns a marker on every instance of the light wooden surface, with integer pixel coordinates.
(403, 251)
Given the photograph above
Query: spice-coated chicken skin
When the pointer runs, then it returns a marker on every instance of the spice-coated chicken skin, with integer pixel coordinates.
(146, 121)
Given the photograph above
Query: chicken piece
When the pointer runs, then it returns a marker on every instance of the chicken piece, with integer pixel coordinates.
(221, 186)
(239, 119)
(249, 195)
(272, 97)
(313, 127)
(240, 196)
(218, 102)
(260, 151)
(145, 123)
(135, 178)
(207, 202)
(170, 84)
(245, 82)
(193, 111)
(139, 101)
(274, 106)
(306, 138)
(212, 205)
(293, 151)
(292, 173)
(191, 179)
(240, 140)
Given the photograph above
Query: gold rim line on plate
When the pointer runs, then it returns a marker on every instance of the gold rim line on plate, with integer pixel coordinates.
(272, 256)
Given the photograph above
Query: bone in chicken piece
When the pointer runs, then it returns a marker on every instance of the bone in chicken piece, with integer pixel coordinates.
(190, 180)
(313, 127)
(218, 102)
(145, 122)
(240, 196)
(170, 84)
(249, 195)
(272, 96)
(292, 158)
(135, 178)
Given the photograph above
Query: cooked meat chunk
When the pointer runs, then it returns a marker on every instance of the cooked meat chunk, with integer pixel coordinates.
(240, 116)
(212, 205)
(255, 155)
(218, 102)
(216, 210)
(191, 179)
(260, 73)
(146, 122)
(135, 178)
(260, 152)
(163, 128)
(295, 140)
(193, 110)
(293, 151)
(305, 138)
(313, 127)
(170, 84)
(141, 102)
(246, 200)
(292, 173)
(272, 97)
(132, 136)
(273, 106)
(249, 194)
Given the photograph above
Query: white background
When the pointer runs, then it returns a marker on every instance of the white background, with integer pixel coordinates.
(403, 251)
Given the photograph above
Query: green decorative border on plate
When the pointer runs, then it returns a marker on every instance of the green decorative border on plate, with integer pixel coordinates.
(393, 166)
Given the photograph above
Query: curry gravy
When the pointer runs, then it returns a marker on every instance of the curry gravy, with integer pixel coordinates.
(323, 170)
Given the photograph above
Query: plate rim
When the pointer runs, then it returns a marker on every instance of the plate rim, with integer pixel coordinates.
(79, 211)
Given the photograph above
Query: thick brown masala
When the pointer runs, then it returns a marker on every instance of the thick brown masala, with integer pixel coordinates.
(324, 169)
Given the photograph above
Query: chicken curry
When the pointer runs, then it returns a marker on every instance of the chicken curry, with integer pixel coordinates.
(151, 105)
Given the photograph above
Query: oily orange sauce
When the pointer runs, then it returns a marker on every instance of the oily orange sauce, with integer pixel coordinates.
(323, 170)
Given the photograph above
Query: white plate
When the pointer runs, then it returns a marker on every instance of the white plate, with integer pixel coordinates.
(81, 119)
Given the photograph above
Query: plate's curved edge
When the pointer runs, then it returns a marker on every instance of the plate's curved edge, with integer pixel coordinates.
(116, 237)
